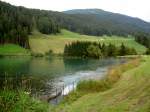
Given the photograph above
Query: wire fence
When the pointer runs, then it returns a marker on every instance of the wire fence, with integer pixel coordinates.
(29, 85)
(61, 92)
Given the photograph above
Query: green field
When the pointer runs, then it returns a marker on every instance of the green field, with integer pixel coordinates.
(41, 43)
(12, 49)
(129, 94)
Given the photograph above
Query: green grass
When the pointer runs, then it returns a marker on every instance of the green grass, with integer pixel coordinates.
(13, 101)
(129, 94)
(41, 43)
(12, 49)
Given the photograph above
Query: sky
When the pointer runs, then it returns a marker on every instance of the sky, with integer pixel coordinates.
(134, 8)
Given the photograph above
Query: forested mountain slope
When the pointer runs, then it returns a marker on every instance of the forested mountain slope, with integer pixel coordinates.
(16, 23)
(109, 23)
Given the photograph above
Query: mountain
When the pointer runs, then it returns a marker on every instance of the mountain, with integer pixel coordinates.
(86, 11)
(17, 22)
(112, 22)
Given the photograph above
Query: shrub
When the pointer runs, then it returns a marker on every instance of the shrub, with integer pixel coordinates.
(94, 52)
(37, 54)
(50, 52)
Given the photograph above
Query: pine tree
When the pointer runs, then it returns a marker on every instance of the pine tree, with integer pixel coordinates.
(122, 50)
(111, 50)
(148, 51)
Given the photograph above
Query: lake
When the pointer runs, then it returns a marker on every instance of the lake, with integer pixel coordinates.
(42, 76)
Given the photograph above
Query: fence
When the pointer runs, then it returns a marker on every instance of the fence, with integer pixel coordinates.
(62, 91)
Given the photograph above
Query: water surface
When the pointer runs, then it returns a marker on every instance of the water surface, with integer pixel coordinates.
(43, 75)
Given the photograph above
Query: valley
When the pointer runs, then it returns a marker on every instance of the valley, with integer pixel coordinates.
(77, 60)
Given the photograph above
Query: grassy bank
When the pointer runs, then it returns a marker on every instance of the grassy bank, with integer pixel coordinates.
(19, 101)
(127, 93)
(94, 86)
(12, 49)
(41, 43)
(125, 89)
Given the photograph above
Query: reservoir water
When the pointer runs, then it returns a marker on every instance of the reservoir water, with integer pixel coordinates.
(41, 76)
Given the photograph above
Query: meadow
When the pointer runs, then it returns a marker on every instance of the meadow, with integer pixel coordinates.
(12, 49)
(41, 43)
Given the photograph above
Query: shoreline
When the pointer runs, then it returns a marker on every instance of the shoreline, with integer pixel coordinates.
(110, 78)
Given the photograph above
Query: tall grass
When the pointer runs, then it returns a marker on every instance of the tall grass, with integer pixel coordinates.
(91, 86)
(19, 101)
(16, 96)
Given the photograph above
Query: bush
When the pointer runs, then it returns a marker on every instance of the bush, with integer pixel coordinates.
(50, 52)
(94, 52)
(37, 54)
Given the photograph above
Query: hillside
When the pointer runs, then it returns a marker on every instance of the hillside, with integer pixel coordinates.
(112, 23)
(12, 49)
(41, 43)
(18, 22)
(129, 94)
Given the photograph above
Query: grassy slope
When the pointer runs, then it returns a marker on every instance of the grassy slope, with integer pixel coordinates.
(41, 43)
(129, 94)
(12, 49)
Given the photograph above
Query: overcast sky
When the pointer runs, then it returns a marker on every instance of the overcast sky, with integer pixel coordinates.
(135, 8)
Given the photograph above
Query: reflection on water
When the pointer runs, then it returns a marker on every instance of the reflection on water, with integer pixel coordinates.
(43, 74)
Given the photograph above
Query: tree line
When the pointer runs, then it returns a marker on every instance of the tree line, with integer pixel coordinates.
(96, 50)
(144, 39)
(16, 23)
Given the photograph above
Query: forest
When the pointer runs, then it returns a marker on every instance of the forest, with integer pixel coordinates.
(144, 39)
(17, 23)
(96, 50)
